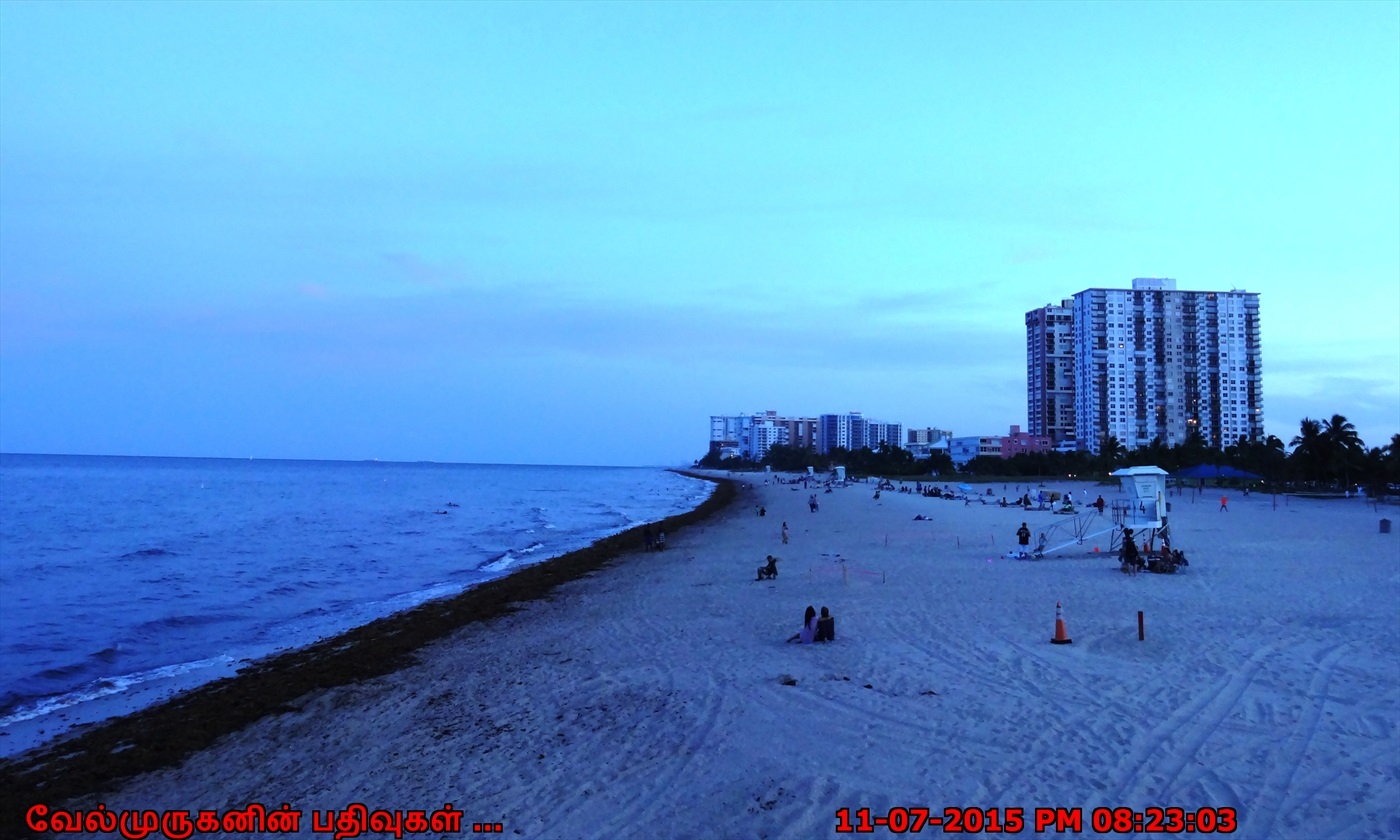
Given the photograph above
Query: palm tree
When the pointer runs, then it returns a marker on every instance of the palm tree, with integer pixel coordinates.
(1345, 449)
(1111, 451)
(1309, 449)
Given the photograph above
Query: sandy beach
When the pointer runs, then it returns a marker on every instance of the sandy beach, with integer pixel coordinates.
(658, 697)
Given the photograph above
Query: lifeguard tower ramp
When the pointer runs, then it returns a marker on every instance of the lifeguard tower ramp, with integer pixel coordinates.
(1144, 511)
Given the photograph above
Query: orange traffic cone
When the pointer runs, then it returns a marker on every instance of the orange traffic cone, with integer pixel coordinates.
(1061, 637)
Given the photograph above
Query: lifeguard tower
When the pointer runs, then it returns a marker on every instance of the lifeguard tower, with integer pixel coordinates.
(1145, 509)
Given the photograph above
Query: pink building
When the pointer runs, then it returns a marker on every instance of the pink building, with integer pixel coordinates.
(1019, 441)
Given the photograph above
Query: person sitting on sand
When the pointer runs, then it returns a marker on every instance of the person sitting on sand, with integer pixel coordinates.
(826, 627)
(770, 571)
(1163, 561)
(809, 627)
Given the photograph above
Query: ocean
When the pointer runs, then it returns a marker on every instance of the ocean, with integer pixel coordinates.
(133, 577)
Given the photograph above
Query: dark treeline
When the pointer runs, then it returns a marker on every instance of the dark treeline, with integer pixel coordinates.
(1326, 454)
(887, 460)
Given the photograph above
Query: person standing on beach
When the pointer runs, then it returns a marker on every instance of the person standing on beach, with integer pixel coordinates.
(1129, 555)
(785, 534)
(646, 538)
(1224, 504)
(1023, 535)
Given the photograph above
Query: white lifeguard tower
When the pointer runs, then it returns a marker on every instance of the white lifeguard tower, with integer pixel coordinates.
(840, 474)
(1145, 509)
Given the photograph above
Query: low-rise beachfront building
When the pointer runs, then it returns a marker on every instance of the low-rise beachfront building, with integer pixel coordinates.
(964, 449)
(1018, 442)
(922, 443)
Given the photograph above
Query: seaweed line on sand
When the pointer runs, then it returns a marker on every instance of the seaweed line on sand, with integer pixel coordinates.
(95, 758)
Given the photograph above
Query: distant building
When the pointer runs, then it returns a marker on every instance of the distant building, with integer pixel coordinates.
(752, 435)
(853, 431)
(1150, 362)
(964, 449)
(1050, 371)
(922, 443)
(1018, 442)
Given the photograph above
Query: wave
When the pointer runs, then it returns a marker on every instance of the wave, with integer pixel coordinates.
(26, 708)
(147, 552)
(509, 558)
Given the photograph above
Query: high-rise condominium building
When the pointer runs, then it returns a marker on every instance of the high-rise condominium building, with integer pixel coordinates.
(853, 431)
(752, 435)
(1050, 371)
(1153, 362)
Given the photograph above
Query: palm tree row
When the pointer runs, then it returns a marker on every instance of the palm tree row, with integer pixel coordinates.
(1325, 453)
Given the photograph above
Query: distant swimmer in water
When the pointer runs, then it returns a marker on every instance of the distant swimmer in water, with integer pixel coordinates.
(441, 512)
(453, 504)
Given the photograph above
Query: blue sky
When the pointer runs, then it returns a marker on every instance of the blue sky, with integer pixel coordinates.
(569, 233)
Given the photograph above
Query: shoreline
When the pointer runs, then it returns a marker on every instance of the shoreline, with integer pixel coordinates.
(93, 757)
(659, 698)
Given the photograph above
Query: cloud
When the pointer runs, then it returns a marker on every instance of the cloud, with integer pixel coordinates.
(415, 270)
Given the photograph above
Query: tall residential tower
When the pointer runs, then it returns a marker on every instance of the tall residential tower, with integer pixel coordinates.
(1050, 371)
(1150, 362)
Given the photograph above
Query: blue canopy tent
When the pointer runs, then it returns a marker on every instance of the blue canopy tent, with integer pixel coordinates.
(1213, 471)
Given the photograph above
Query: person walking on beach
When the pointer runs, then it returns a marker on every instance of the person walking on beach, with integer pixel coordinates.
(809, 627)
(646, 538)
(1224, 504)
(785, 534)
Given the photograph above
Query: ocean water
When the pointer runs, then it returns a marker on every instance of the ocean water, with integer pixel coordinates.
(118, 574)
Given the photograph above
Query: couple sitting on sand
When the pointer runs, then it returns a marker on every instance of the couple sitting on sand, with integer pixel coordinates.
(770, 571)
(816, 629)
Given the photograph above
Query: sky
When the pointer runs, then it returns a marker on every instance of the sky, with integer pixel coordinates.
(570, 232)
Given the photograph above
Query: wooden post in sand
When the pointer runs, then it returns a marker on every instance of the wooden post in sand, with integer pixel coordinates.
(1140, 633)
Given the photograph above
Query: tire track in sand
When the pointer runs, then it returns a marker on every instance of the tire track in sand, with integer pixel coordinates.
(1278, 785)
(1177, 738)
